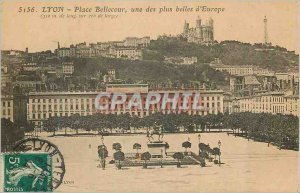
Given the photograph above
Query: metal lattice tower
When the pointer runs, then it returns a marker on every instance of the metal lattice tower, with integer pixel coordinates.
(266, 38)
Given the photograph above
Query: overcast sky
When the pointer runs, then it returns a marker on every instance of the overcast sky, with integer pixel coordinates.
(242, 21)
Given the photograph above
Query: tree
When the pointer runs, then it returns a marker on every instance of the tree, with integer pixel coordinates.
(186, 145)
(137, 146)
(145, 156)
(52, 124)
(198, 120)
(119, 156)
(29, 127)
(117, 146)
(10, 134)
(178, 156)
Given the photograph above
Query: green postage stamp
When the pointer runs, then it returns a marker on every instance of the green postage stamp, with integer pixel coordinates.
(27, 172)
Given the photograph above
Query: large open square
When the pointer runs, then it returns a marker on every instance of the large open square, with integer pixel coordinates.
(248, 166)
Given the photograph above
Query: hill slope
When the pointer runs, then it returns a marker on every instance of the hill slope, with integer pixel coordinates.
(230, 52)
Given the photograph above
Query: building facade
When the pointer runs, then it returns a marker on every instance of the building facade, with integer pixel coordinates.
(7, 111)
(272, 102)
(67, 68)
(234, 70)
(201, 34)
(129, 48)
(126, 53)
(42, 105)
(244, 85)
(64, 52)
(137, 42)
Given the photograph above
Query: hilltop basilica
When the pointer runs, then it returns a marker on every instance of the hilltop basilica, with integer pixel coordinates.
(201, 34)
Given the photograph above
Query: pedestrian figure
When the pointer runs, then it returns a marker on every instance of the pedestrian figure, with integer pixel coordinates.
(102, 153)
(90, 146)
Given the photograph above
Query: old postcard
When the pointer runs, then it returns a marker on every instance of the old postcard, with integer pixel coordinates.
(149, 96)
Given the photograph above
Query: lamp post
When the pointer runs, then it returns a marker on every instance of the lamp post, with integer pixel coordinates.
(103, 151)
(161, 156)
(102, 139)
(219, 144)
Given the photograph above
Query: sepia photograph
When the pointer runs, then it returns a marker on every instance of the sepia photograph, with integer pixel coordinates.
(149, 96)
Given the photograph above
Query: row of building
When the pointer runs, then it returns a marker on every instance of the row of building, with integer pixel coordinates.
(42, 105)
(130, 48)
(271, 102)
(250, 70)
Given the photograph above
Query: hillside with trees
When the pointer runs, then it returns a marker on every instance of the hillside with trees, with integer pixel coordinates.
(155, 71)
(149, 71)
(230, 52)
